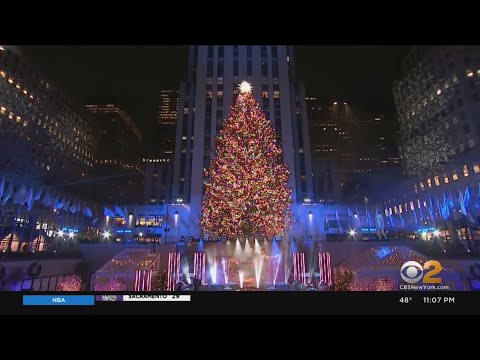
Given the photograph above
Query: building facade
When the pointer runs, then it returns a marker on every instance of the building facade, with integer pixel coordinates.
(47, 136)
(158, 179)
(118, 171)
(168, 108)
(438, 106)
(214, 73)
(119, 136)
(347, 144)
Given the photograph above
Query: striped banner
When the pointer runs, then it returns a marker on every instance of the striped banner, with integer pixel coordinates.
(143, 280)
(325, 266)
(299, 267)
(199, 260)
(173, 270)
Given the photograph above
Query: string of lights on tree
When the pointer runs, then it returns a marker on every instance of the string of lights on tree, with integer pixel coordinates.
(247, 191)
(72, 283)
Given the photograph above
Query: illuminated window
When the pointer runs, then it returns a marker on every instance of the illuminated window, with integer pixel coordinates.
(469, 73)
(422, 187)
(439, 92)
(185, 110)
(265, 94)
(300, 150)
(10, 115)
(412, 206)
(437, 181)
(418, 203)
(10, 81)
(276, 94)
(454, 175)
(219, 94)
(18, 86)
(209, 81)
(153, 201)
(395, 209)
(3, 110)
(400, 209)
(424, 203)
(25, 91)
(465, 170)
(471, 143)
(455, 120)
(429, 183)
(415, 188)
(209, 94)
(454, 78)
(476, 168)
(220, 80)
(390, 210)
(2, 74)
(19, 119)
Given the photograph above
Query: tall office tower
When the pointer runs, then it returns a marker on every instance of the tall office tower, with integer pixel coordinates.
(158, 179)
(45, 137)
(438, 106)
(168, 108)
(346, 143)
(119, 172)
(166, 124)
(119, 136)
(214, 73)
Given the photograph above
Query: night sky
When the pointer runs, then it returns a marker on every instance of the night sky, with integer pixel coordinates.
(134, 75)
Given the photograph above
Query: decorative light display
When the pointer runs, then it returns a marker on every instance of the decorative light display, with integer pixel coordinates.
(110, 284)
(71, 283)
(426, 153)
(379, 284)
(343, 278)
(247, 191)
(160, 280)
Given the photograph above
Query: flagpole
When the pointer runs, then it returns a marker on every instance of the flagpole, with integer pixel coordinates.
(27, 212)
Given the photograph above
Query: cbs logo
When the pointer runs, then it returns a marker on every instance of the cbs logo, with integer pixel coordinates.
(412, 272)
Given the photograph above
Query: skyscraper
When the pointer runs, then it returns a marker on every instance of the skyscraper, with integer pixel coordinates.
(214, 73)
(119, 136)
(438, 106)
(168, 108)
(166, 125)
(347, 143)
(44, 134)
(119, 173)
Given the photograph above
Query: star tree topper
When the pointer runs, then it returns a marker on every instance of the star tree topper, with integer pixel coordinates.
(245, 87)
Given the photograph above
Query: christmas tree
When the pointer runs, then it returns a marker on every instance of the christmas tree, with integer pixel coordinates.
(247, 191)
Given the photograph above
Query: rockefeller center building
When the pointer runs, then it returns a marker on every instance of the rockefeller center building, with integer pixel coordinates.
(214, 73)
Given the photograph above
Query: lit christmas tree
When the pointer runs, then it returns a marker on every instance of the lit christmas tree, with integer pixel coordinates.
(247, 192)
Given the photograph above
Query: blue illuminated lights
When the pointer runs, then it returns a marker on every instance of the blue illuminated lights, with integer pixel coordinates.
(425, 230)
(69, 230)
(123, 231)
(383, 252)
